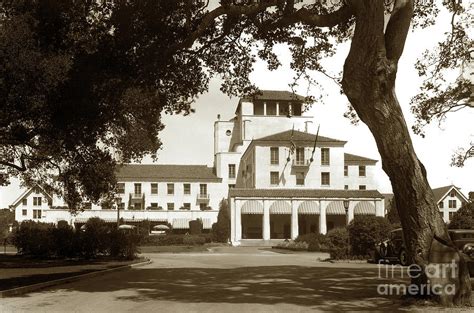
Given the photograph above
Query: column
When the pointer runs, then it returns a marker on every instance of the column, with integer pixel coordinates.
(266, 220)
(264, 108)
(277, 108)
(350, 212)
(322, 217)
(294, 220)
(379, 208)
(238, 220)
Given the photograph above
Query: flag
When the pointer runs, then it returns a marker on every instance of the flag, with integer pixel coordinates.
(314, 146)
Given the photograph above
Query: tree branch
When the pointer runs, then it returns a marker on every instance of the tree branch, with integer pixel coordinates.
(397, 29)
(20, 168)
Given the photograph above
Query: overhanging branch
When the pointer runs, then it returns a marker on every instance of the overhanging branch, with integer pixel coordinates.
(397, 29)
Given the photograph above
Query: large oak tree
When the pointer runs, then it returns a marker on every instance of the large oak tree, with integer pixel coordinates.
(83, 77)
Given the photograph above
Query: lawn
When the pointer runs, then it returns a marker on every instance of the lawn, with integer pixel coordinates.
(17, 271)
(174, 249)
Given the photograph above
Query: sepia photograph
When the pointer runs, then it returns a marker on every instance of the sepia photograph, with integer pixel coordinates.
(236, 156)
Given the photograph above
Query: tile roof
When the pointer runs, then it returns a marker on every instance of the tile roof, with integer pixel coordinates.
(298, 136)
(440, 192)
(304, 193)
(275, 95)
(165, 172)
(349, 158)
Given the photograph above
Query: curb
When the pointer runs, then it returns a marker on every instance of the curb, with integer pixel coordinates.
(26, 289)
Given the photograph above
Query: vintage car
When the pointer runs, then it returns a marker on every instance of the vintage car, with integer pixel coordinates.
(393, 249)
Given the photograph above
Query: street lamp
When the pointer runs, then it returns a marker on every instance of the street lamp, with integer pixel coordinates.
(346, 203)
(118, 201)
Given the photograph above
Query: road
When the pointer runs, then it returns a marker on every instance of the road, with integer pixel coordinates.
(227, 280)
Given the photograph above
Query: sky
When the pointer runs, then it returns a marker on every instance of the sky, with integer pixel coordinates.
(189, 139)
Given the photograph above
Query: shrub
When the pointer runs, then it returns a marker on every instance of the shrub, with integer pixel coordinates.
(123, 244)
(64, 240)
(195, 227)
(221, 229)
(294, 245)
(193, 240)
(316, 242)
(463, 218)
(94, 238)
(167, 240)
(34, 239)
(365, 232)
(207, 237)
(337, 242)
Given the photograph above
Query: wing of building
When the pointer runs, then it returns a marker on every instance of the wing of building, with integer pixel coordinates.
(280, 178)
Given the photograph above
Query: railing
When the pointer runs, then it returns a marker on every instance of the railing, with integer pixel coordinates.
(136, 195)
(202, 197)
(301, 163)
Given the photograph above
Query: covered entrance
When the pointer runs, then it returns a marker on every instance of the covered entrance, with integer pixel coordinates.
(308, 217)
(280, 220)
(252, 220)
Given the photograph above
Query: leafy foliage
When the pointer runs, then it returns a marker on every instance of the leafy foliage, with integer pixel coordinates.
(315, 241)
(463, 218)
(338, 241)
(221, 229)
(366, 231)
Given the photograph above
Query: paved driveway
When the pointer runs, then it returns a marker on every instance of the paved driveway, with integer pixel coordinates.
(226, 280)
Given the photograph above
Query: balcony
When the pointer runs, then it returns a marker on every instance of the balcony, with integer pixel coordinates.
(136, 195)
(203, 197)
(301, 164)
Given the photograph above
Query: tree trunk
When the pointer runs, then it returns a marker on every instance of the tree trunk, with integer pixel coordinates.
(369, 83)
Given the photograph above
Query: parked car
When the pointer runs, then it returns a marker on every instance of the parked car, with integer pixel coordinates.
(464, 241)
(392, 249)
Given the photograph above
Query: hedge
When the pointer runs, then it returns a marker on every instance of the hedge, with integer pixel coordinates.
(365, 232)
(315, 242)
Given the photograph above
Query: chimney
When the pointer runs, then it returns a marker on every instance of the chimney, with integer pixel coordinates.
(218, 117)
(306, 128)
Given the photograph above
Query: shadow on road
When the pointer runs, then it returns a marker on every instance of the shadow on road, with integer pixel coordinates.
(325, 288)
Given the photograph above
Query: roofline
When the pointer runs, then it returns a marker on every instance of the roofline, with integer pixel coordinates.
(17, 201)
(449, 190)
(170, 180)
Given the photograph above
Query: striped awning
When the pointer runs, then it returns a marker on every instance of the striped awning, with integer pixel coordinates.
(181, 223)
(158, 220)
(335, 208)
(206, 223)
(308, 207)
(81, 220)
(252, 207)
(364, 208)
(280, 207)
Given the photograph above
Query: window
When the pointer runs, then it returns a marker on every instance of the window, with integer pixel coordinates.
(37, 201)
(120, 187)
(171, 189)
(324, 156)
(441, 205)
(154, 188)
(231, 186)
(325, 179)
(346, 170)
(362, 170)
(23, 212)
(231, 170)
(154, 206)
(284, 109)
(274, 155)
(137, 206)
(187, 189)
(296, 109)
(274, 178)
(362, 187)
(452, 204)
(452, 194)
(258, 108)
(228, 132)
(300, 156)
(138, 188)
(24, 202)
(202, 206)
(300, 179)
(451, 214)
(36, 213)
(203, 190)
(187, 206)
(346, 187)
(271, 108)
(121, 206)
(170, 206)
